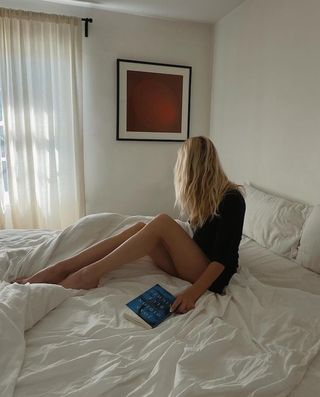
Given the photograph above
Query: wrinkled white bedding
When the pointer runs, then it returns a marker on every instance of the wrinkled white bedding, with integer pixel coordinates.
(257, 340)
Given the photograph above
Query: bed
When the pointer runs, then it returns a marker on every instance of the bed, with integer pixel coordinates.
(261, 338)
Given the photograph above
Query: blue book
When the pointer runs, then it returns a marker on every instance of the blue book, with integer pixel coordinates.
(150, 308)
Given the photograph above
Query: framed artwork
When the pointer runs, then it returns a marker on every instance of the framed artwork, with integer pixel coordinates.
(153, 101)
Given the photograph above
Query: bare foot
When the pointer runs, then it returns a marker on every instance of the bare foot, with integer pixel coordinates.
(51, 275)
(20, 280)
(80, 280)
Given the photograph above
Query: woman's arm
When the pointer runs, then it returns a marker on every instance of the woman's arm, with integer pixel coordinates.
(212, 272)
(221, 250)
(186, 300)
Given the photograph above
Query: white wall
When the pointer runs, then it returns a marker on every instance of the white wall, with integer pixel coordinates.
(132, 177)
(265, 116)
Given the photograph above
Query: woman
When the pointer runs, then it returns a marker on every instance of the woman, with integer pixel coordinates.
(215, 208)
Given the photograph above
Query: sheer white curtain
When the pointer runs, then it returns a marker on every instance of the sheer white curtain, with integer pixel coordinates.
(41, 88)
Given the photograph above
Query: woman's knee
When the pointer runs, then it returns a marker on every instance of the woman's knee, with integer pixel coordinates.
(162, 222)
(163, 218)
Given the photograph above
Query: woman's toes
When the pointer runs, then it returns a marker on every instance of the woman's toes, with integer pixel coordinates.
(20, 280)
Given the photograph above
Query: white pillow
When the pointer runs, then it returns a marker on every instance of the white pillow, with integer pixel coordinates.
(274, 222)
(309, 248)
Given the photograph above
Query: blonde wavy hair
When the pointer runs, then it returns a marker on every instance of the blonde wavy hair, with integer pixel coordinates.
(199, 180)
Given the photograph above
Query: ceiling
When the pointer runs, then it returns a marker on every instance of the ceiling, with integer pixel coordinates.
(190, 10)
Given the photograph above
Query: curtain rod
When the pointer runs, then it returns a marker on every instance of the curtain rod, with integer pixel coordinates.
(86, 26)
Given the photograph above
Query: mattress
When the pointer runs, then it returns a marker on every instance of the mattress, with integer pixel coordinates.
(261, 338)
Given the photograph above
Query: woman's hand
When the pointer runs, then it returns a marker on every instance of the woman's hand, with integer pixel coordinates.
(184, 302)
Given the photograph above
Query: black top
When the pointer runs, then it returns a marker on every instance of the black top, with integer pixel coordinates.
(220, 236)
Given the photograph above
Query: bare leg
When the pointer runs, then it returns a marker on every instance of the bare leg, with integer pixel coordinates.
(188, 261)
(58, 272)
(162, 259)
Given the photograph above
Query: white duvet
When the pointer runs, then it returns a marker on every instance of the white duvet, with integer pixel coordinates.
(257, 340)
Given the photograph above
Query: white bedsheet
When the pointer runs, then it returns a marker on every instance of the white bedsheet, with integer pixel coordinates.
(257, 340)
(273, 270)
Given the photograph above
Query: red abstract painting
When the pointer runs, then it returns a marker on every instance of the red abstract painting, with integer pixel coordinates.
(154, 102)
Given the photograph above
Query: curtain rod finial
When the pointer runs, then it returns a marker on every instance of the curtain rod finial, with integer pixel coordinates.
(86, 26)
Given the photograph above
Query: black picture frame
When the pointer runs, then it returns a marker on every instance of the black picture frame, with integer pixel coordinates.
(153, 101)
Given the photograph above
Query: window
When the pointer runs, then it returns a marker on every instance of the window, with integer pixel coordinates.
(3, 159)
(41, 164)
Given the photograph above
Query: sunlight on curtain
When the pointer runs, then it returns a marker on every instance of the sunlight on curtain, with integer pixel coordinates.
(41, 88)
